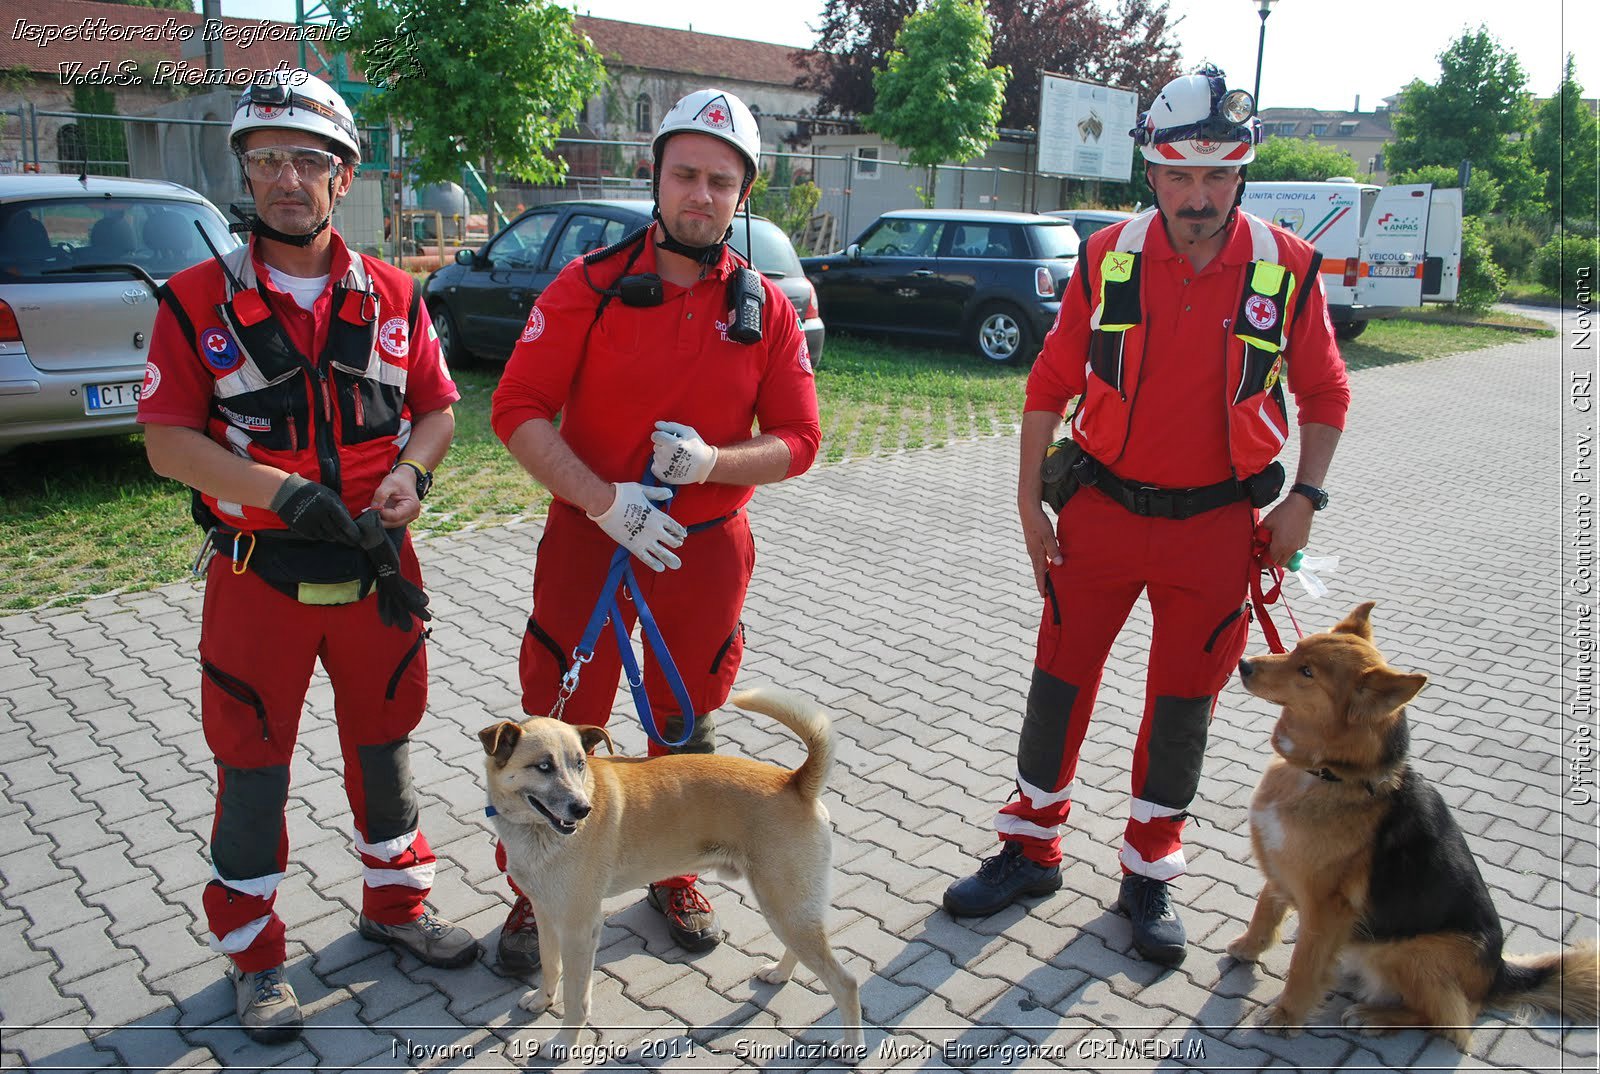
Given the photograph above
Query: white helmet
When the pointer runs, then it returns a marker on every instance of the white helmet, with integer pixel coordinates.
(1196, 121)
(295, 100)
(719, 114)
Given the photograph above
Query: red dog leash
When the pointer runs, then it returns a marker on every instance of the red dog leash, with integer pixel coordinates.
(1261, 549)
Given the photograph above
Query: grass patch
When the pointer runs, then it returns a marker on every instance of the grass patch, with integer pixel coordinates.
(82, 518)
(1492, 318)
(1534, 294)
(1392, 342)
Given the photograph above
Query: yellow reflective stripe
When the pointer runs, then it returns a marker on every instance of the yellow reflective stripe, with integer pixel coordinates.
(1271, 346)
(329, 592)
(1267, 278)
(1115, 327)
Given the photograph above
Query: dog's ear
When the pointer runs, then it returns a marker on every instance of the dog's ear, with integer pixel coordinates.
(592, 736)
(499, 740)
(1357, 622)
(1382, 691)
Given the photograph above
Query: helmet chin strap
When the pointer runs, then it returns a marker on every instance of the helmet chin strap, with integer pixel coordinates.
(705, 255)
(250, 221)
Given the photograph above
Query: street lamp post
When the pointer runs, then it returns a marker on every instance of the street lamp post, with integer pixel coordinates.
(1265, 8)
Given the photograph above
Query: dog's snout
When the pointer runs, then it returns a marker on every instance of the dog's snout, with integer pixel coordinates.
(1245, 670)
(579, 810)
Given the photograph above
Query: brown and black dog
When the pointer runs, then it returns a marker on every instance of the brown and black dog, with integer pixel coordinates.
(1352, 838)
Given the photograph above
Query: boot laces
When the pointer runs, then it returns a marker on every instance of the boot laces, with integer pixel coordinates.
(1155, 900)
(997, 867)
(430, 923)
(268, 984)
(521, 918)
(681, 902)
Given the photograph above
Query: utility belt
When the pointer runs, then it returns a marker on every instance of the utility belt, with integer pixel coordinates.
(311, 572)
(1067, 467)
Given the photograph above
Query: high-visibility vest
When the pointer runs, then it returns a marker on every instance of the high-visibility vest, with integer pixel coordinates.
(1258, 421)
(340, 419)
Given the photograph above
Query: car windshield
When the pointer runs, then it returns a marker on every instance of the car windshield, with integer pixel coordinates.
(774, 254)
(44, 240)
(1055, 239)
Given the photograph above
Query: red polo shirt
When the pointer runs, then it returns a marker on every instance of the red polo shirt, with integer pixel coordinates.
(1178, 431)
(612, 382)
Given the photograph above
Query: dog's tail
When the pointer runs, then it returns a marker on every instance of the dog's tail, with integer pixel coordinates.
(807, 720)
(1561, 982)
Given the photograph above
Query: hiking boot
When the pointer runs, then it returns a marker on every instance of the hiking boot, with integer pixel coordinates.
(268, 1009)
(430, 937)
(691, 921)
(1000, 881)
(1158, 934)
(518, 950)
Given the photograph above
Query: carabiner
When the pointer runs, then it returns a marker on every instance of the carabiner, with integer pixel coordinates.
(241, 565)
(202, 558)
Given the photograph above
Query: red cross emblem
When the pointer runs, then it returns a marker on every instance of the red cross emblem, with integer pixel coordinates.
(717, 116)
(392, 336)
(216, 343)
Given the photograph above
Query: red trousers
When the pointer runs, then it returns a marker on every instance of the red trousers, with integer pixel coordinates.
(257, 651)
(1196, 572)
(696, 606)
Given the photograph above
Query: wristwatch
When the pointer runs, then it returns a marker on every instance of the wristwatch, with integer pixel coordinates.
(1318, 498)
(424, 476)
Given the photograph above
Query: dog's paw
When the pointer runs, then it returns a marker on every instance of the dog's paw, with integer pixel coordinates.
(1245, 948)
(536, 1000)
(1277, 1019)
(775, 973)
(1365, 1018)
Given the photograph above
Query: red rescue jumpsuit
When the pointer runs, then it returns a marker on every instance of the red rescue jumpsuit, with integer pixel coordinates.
(1175, 423)
(379, 365)
(610, 381)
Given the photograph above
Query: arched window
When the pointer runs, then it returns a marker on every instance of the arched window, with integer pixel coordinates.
(642, 118)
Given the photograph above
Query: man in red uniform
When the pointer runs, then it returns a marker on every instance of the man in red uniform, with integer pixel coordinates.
(1175, 332)
(638, 351)
(296, 386)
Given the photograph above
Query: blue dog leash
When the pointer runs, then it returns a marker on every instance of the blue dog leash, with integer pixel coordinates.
(619, 574)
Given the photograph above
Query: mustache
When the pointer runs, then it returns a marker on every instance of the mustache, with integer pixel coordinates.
(1197, 214)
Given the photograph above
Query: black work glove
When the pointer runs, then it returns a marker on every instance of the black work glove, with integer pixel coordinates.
(315, 511)
(398, 599)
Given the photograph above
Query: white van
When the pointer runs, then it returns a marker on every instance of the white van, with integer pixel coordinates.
(1383, 249)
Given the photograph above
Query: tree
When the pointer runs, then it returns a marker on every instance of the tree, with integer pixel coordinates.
(937, 96)
(1130, 47)
(1480, 111)
(491, 83)
(1306, 160)
(1564, 148)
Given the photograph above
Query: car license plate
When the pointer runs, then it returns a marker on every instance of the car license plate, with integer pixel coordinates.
(1392, 270)
(100, 398)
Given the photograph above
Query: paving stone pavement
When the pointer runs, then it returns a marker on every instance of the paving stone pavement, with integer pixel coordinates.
(894, 591)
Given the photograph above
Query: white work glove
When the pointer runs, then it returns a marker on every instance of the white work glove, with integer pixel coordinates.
(681, 457)
(634, 522)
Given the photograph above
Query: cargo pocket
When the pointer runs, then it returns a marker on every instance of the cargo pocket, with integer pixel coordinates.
(234, 716)
(1049, 624)
(369, 409)
(407, 692)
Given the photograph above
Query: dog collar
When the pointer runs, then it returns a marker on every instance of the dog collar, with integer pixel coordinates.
(1326, 775)
(490, 811)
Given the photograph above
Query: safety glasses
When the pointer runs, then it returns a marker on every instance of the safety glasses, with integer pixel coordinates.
(311, 165)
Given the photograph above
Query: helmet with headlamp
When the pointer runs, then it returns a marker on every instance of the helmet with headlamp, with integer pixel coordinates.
(293, 100)
(1196, 121)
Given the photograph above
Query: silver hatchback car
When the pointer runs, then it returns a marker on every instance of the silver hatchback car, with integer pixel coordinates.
(80, 260)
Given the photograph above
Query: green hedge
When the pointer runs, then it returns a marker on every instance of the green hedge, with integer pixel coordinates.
(1558, 261)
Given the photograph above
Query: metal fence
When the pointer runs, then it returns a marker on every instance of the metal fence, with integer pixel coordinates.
(851, 189)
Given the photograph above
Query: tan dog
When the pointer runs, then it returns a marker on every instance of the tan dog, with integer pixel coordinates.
(577, 829)
(1363, 848)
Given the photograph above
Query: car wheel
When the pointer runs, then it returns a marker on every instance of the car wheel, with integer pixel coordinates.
(1001, 335)
(1349, 329)
(444, 326)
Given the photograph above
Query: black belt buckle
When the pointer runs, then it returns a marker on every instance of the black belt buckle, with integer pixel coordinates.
(1152, 501)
